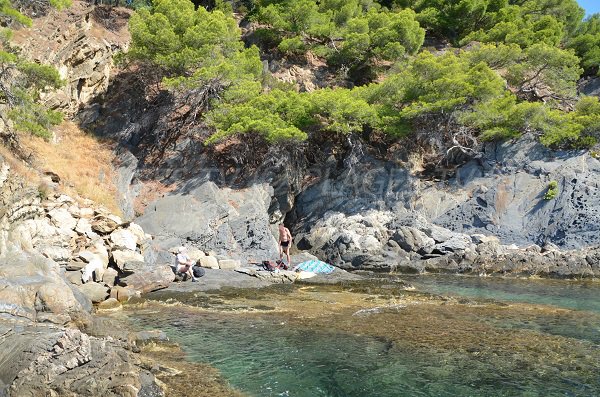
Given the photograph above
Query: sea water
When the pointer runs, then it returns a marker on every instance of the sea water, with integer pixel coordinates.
(456, 336)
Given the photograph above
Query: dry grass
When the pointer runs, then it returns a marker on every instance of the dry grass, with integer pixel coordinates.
(19, 167)
(83, 163)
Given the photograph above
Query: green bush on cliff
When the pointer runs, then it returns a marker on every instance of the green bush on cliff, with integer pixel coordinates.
(502, 117)
(552, 191)
(192, 47)
(352, 35)
(452, 91)
(288, 115)
(433, 87)
(22, 81)
(540, 71)
(586, 43)
(579, 128)
(523, 22)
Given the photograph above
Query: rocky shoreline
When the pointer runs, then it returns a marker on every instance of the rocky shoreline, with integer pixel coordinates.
(48, 328)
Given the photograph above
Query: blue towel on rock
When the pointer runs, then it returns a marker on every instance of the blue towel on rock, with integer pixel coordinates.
(315, 266)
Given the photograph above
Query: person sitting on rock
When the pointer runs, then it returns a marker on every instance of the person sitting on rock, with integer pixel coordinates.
(184, 263)
(285, 240)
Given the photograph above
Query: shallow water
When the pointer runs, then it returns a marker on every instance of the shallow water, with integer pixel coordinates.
(489, 337)
(569, 294)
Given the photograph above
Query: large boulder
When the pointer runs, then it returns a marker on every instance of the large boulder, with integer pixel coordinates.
(138, 232)
(84, 227)
(209, 262)
(123, 294)
(121, 257)
(123, 239)
(229, 264)
(150, 279)
(94, 291)
(105, 223)
(32, 285)
(411, 239)
(57, 254)
(62, 219)
(110, 276)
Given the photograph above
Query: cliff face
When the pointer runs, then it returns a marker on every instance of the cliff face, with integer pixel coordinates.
(80, 42)
(360, 211)
(500, 194)
(344, 205)
(490, 217)
(348, 205)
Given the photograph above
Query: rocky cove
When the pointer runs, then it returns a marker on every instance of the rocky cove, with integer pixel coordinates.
(387, 225)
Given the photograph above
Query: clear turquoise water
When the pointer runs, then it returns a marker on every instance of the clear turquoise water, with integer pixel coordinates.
(578, 296)
(556, 352)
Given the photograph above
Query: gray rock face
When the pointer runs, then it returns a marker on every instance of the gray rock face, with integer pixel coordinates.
(80, 48)
(499, 195)
(47, 361)
(32, 286)
(511, 206)
(233, 223)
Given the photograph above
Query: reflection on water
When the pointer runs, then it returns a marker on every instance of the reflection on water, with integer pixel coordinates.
(376, 339)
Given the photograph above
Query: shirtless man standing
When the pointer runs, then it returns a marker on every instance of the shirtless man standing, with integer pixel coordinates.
(285, 240)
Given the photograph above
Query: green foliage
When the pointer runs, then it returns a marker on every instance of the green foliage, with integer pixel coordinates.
(433, 85)
(552, 191)
(192, 46)
(352, 34)
(545, 67)
(60, 4)
(579, 128)
(293, 45)
(586, 43)
(495, 90)
(454, 19)
(287, 115)
(501, 118)
(21, 81)
(176, 37)
(9, 14)
(541, 71)
(521, 31)
(505, 118)
(21, 93)
(522, 22)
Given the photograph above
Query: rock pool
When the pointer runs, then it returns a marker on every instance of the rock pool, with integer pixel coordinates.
(452, 336)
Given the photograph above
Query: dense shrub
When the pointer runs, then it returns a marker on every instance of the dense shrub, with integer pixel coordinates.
(488, 91)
